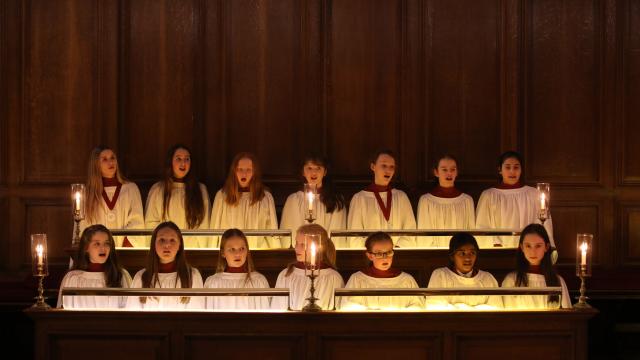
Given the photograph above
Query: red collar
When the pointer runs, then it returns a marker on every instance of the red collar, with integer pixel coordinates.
(237, 270)
(377, 189)
(443, 192)
(112, 203)
(167, 268)
(110, 181)
(244, 189)
(381, 274)
(535, 269)
(504, 186)
(177, 180)
(95, 267)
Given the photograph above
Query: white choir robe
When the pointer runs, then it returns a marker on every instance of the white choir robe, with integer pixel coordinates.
(299, 289)
(445, 278)
(126, 214)
(444, 213)
(518, 302)
(361, 280)
(508, 209)
(176, 212)
(246, 216)
(365, 213)
(225, 280)
(296, 210)
(167, 281)
(86, 279)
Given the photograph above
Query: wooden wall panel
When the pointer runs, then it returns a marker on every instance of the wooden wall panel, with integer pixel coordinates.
(68, 346)
(630, 233)
(556, 347)
(158, 87)
(571, 218)
(630, 130)
(359, 347)
(51, 217)
(263, 53)
(464, 84)
(363, 86)
(252, 346)
(562, 91)
(60, 89)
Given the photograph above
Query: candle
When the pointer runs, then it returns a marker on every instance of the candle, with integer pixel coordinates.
(543, 203)
(313, 254)
(310, 200)
(583, 257)
(39, 254)
(77, 201)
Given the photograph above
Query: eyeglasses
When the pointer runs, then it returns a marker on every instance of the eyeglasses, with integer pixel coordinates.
(381, 255)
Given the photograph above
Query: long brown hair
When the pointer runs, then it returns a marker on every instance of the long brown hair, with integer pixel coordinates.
(150, 276)
(327, 254)
(546, 265)
(332, 200)
(193, 203)
(222, 261)
(112, 269)
(94, 185)
(231, 187)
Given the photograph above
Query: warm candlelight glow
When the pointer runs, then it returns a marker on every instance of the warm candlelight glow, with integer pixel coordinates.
(543, 203)
(313, 254)
(310, 200)
(77, 196)
(40, 254)
(583, 258)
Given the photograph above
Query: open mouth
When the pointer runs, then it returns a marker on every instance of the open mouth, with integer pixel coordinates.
(243, 180)
(102, 255)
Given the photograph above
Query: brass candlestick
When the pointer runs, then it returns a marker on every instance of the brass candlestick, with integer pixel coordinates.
(40, 303)
(582, 300)
(312, 306)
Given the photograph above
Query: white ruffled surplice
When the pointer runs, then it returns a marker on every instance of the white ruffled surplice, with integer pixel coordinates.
(226, 280)
(445, 278)
(517, 302)
(360, 280)
(299, 289)
(86, 279)
(167, 281)
(444, 213)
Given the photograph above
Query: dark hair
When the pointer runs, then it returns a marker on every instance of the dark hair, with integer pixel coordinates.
(327, 253)
(546, 266)
(112, 269)
(376, 237)
(457, 241)
(231, 187)
(436, 163)
(377, 154)
(511, 154)
(193, 203)
(331, 199)
(222, 261)
(150, 276)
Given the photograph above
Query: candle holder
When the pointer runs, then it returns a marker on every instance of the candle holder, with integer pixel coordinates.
(312, 246)
(310, 197)
(39, 267)
(77, 204)
(544, 191)
(583, 266)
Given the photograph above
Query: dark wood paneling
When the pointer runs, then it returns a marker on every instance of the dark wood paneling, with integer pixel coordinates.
(464, 84)
(263, 52)
(61, 99)
(552, 347)
(252, 346)
(630, 130)
(4, 94)
(562, 91)
(630, 233)
(51, 217)
(571, 218)
(363, 81)
(359, 347)
(67, 346)
(158, 87)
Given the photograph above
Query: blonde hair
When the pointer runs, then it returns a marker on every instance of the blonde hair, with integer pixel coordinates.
(327, 254)
(231, 187)
(222, 261)
(94, 185)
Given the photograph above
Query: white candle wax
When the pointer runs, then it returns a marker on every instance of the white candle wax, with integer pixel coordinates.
(310, 200)
(39, 254)
(77, 201)
(543, 203)
(313, 254)
(583, 257)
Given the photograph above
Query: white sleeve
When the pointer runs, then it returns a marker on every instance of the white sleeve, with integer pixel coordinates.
(408, 221)
(355, 220)
(422, 212)
(290, 218)
(153, 216)
(273, 242)
(216, 217)
(484, 218)
(470, 221)
(204, 241)
(196, 302)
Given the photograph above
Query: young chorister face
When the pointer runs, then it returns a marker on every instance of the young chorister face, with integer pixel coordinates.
(181, 163)
(108, 163)
(534, 248)
(167, 245)
(300, 247)
(383, 169)
(244, 172)
(381, 254)
(464, 258)
(446, 172)
(314, 173)
(235, 252)
(510, 171)
(99, 248)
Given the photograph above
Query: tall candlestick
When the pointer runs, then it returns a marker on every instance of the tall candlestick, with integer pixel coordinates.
(583, 258)
(313, 255)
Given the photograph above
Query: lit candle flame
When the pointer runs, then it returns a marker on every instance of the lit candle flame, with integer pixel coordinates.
(77, 201)
(39, 254)
(313, 254)
(310, 200)
(543, 203)
(583, 258)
